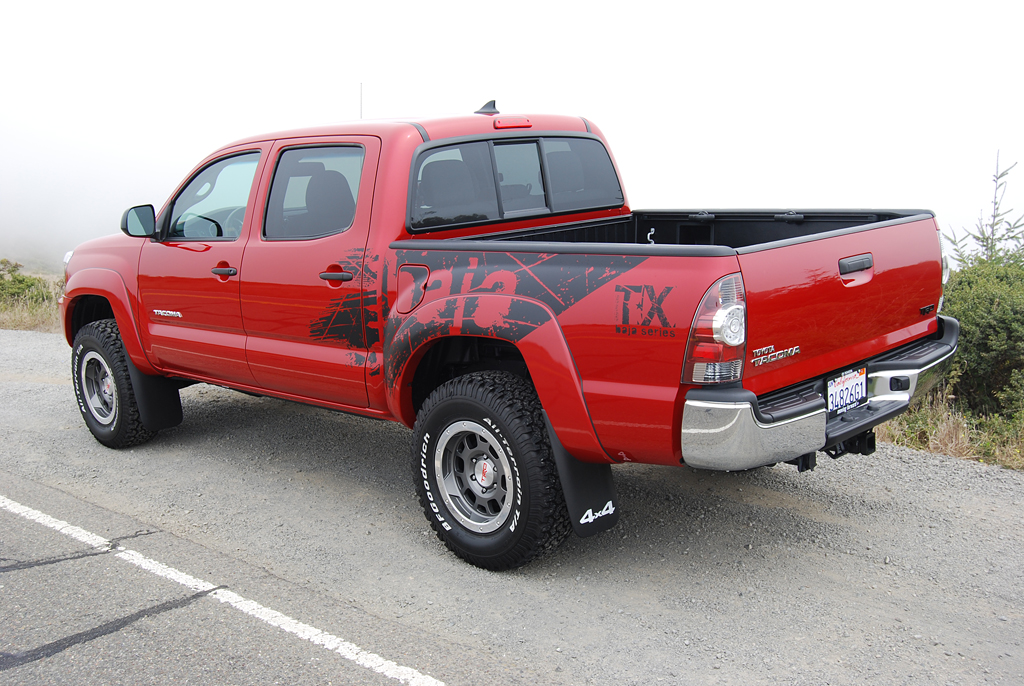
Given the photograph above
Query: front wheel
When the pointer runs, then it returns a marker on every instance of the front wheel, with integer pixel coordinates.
(485, 474)
(103, 387)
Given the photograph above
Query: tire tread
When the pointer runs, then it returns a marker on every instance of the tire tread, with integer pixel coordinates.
(130, 431)
(547, 525)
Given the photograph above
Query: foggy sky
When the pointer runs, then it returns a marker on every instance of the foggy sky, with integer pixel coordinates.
(706, 105)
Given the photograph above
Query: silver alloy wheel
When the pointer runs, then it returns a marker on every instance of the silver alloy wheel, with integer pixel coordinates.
(99, 388)
(472, 474)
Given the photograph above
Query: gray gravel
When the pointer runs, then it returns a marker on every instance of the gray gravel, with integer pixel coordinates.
(900, 567)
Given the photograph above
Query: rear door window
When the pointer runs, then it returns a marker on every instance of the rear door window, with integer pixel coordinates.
(314, 192)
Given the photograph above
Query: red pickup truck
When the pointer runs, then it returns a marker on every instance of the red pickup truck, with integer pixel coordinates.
(483, 280)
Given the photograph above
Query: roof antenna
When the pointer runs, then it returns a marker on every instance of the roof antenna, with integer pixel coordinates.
(489, 108)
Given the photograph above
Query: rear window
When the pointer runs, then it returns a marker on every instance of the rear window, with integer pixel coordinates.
(508, 178)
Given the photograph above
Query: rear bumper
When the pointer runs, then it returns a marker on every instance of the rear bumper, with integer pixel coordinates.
(731, 429)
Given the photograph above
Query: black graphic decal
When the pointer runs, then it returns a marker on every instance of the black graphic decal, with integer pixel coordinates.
(645, 300)
(557, 280)
(371, 319)
(627, 292)
(341, 321)
(354, 318)
(512, 319)
(640, 306)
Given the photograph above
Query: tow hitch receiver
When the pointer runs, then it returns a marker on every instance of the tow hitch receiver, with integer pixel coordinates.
(805, 463)
(862, 444)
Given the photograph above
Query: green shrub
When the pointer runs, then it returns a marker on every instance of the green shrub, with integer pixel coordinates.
(979, 411)
(15, 286)
(988, 372)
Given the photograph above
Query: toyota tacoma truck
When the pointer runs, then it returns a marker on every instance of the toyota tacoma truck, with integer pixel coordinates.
(483, 280)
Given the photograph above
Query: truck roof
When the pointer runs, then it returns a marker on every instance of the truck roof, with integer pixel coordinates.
(435, 128)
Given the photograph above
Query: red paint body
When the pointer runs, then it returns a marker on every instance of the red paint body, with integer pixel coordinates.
(603, 337)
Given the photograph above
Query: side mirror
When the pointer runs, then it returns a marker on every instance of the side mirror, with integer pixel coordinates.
(139, 221)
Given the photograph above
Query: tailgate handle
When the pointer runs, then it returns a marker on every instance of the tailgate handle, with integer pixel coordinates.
(702, 216)
(857, 263)
(790, 217)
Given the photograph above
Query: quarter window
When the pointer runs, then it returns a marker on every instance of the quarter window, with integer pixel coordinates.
(212, 205)
(314, 192)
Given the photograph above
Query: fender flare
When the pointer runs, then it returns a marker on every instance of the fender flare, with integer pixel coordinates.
(529, 325)
(107, 284)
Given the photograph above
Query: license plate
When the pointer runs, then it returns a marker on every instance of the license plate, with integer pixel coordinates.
(847, 391)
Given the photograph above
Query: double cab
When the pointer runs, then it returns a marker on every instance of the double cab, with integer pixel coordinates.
(483, 280)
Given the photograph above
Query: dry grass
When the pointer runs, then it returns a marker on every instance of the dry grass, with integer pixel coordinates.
(29, 314)
(937, 426)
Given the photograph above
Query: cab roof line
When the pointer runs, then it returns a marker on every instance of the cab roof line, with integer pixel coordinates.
(587, 124)
(423, 131)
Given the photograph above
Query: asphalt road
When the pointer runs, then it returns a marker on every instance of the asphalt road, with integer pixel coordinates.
(297, 554)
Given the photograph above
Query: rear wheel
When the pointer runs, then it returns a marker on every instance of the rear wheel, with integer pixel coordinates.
(485, 473)
(103, 387)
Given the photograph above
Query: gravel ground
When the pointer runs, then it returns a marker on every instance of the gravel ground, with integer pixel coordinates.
(899, 567)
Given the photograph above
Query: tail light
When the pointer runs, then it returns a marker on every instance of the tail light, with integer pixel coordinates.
(945, 268)
(718, 337)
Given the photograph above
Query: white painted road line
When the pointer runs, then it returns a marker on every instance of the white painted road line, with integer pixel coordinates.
(347, 650)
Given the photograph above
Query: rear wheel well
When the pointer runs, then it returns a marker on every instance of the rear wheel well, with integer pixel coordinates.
(88, 309)
(453, 357)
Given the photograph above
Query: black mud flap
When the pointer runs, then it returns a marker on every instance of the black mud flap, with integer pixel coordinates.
(589, 490)
(157, 397)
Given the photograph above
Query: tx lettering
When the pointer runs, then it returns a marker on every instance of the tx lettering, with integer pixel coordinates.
(649, 298)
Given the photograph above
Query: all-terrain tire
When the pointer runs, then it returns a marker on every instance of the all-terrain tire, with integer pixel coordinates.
(103, 387)
(485, 473)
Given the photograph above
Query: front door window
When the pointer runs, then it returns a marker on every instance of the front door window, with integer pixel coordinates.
(212, 205)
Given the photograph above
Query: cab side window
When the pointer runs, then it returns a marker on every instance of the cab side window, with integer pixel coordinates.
(314, 192)
(212, 205)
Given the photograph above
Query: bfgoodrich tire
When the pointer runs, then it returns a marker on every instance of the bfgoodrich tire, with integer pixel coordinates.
(104, 389)
(485, 474)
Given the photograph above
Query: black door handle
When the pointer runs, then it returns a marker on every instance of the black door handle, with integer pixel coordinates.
(857, 263)
(224, 271)
(335, 276)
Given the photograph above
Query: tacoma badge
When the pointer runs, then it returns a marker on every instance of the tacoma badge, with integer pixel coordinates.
(768, 354)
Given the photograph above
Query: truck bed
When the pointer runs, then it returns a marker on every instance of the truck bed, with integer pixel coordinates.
(835, 287)
(743, 230)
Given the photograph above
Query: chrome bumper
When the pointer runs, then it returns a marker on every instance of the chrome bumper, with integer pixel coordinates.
(728, 437)
(731, 430)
